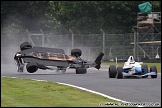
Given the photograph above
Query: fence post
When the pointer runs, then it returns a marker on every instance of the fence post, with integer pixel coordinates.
(135, 45)
(28, 35)
(103, 47)
(72, 39)
(42, 38)
(29, 38)
(89, 54)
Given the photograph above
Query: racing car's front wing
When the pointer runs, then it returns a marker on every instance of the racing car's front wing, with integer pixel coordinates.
(134, 75)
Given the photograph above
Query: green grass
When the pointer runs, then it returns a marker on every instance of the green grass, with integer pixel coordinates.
(16, 92)
(158, 65)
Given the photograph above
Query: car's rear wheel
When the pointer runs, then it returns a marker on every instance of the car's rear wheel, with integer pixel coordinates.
(153, 69)
(76, 52)
(112, 71)
(81, 70)
(119, 72)
(25, 45)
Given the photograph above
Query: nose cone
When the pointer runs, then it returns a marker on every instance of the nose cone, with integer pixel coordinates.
(138, 70)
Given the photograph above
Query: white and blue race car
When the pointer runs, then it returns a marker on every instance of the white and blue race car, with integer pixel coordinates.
(132, 69)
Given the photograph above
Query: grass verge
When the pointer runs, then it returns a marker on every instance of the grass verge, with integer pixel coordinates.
(16, 92)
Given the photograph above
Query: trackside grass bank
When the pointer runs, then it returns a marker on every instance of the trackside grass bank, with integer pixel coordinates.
(158, 65)
(17, 92)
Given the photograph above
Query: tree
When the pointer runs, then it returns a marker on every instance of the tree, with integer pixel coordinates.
(80, 16)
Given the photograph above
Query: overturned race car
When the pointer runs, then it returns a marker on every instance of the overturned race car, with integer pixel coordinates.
(132, 69)
(53, 59)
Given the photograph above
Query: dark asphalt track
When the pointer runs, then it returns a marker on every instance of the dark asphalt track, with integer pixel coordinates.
(130, 90)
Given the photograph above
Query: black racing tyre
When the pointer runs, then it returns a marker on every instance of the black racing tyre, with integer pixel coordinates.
(25, 45)
(31, 67)
(144, 69)
(81, 70)
(119, 72)
(76, 52)
(153, 69)
(112, 71)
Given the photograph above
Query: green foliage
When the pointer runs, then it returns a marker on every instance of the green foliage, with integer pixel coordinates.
(112, 16)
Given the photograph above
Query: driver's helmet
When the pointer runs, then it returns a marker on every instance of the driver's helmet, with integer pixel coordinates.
(132, 60)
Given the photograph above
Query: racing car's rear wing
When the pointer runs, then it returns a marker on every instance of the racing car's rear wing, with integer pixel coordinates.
(98, 60)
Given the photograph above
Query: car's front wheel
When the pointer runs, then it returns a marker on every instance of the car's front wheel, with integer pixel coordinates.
(119, 72)
(31, 67)
(81, 70)
(112, 71)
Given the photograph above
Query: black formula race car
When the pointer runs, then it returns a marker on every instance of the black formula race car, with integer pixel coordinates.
(52, 58)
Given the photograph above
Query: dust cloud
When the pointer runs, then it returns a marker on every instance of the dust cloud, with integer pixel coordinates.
(10, 44)
(8, 49)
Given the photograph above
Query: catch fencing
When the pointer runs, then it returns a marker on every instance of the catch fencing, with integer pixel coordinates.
(113, 45)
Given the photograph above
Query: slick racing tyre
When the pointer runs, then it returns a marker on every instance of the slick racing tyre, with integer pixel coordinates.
(31, 67)
(112, 71)
(76, 52)
(144, 69)
(25, 45)
(153, 69)
(119, 72)
(81, 70)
